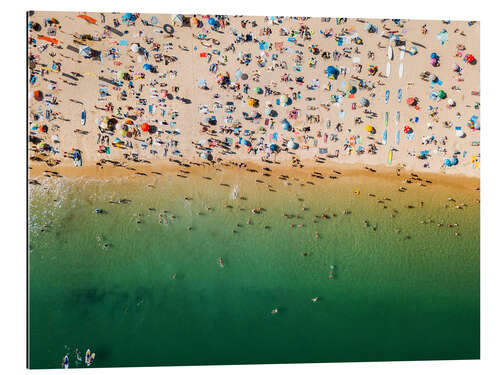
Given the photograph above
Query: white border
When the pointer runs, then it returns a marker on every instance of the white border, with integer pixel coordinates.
(12, 151)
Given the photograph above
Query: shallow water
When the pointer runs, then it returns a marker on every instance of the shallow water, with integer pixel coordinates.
(390, 298)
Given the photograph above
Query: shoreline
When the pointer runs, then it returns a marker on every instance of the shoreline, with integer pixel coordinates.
(330, 171)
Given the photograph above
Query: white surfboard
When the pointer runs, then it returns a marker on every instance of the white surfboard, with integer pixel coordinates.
(388, 69)
(400, 70)
(390, 53)
(402, 54)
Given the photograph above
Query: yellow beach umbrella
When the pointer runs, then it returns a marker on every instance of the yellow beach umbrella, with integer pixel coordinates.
(369, 128)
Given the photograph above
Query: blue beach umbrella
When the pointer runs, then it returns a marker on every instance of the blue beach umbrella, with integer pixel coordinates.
(447, 162)
(273, 147)
(285, 124)
(147, 67)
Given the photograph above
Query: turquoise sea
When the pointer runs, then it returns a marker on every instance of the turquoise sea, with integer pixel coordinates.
(380, 297)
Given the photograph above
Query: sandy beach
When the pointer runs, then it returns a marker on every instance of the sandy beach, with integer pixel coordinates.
(296, 92)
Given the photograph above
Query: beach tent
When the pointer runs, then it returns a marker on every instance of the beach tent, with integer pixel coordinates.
(85, 51)
(87, 18)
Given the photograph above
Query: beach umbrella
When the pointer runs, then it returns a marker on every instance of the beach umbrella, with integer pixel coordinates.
(455, 67)
(85, 51)
(293, 145)
(147, 67)
(454, 160)
(369, 128)
(364, 102)
(441, 94)
(204, 155)
(286, 125)
(283, 99)
(411, 101)
(178, 19)
(38, 95)
(252, 102)
(460, 133)
(451, 102)
(447, 162)
(268, 111)
(273, 147)
(258, 90)
(87, 18)
(134, 48)
(469, 58)
(128, 17)
(212, 21)
(434, 55)
(201, 83)
(145, 127)
(193, 21)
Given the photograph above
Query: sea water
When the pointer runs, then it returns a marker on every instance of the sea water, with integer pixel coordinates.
(158, 295)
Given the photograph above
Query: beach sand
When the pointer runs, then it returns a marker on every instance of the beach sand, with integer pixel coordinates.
(190, 141)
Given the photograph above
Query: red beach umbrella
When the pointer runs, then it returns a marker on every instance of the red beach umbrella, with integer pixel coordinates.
(145, 127)
(410, 101)
(469, 58)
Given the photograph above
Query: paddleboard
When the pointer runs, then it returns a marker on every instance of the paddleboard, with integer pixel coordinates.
(390, 53)
(397, 137)
(386, 118)
(386, 99)
(400, 93)
(384, 137)
(388, 69)
(84, 117)
(389, 160)
(397, 116)
(400, 70)
(402, 54)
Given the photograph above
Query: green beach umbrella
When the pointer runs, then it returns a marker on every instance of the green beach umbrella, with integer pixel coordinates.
(441, 94)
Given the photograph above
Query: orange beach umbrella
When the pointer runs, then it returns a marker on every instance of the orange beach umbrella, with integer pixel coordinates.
(87, 18)
(145, 127)
(50, 40)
